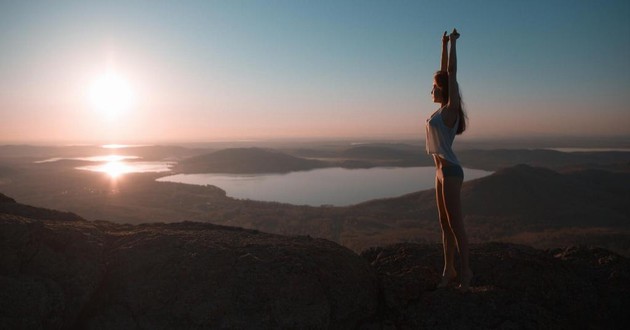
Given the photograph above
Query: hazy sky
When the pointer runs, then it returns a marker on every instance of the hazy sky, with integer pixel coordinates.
(208, 70)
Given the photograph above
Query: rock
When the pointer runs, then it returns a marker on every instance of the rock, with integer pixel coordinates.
(208, 276)
(405, 271)
(607, 272)
(514, 287)
(48, 271)
(57, 273)
(101, 275)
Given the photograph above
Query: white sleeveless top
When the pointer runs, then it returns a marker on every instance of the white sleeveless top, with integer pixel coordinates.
(440, 137)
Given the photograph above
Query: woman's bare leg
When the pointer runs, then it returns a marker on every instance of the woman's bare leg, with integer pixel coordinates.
(452, 202)
(448, 237)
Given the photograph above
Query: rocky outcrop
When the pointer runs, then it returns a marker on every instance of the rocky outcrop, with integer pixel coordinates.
(74, 273)
(69, 274)
(515, 286)
(48, 271)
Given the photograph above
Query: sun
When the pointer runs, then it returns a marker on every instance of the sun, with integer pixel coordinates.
(111, 94)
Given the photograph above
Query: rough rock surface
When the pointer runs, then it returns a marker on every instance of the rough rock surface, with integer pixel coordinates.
(48, 271)
(60, 274)
(79, 274)
(515, 287)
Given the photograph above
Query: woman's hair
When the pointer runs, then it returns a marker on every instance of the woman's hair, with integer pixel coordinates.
(441, 80)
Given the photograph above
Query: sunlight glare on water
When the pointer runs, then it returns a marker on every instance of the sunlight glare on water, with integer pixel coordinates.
(116, 169)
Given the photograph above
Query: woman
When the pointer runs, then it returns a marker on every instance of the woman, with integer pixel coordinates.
(448, 121)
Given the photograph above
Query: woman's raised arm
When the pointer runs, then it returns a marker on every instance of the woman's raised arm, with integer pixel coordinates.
(444, 59)
(453, 87)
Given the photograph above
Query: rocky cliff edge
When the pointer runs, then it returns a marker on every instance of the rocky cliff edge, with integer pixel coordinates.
(73, 273)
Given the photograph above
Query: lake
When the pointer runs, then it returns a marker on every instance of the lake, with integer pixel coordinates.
(115, 165)
(329, 186)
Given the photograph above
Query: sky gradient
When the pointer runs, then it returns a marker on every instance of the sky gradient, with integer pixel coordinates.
(221, 70)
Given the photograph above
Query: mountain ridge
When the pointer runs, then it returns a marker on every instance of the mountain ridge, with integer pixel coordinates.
(246, 160)
(8, 205)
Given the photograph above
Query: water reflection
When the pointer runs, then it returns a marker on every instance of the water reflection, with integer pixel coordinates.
(116, 165)
(117, 168)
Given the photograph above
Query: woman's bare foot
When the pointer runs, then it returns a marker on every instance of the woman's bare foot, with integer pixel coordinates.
(447, 278)
(467, 277)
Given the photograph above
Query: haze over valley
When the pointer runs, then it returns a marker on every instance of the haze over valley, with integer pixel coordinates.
(539, 197)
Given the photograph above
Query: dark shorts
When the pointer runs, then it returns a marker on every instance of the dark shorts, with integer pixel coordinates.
(452, 171)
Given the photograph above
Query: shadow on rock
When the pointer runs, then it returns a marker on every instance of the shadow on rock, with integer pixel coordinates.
(514, 287)
(185, 275)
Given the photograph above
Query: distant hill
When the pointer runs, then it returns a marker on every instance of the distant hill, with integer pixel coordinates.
(544, 198)
(157, 153)
(369, 155)
(521, 203)
(11, 207)
(381, 152)
(247, 160)
(536, 196)
(612, 182)
(313, 153)
(500, 158)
